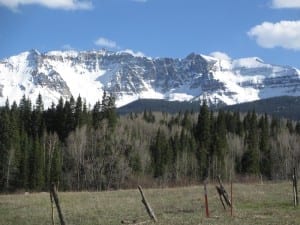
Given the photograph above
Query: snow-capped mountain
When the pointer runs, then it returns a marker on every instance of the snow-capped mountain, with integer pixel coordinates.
(130, 77)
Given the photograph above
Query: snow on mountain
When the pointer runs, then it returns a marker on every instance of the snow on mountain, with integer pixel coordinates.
(130, 76)
(251, 62)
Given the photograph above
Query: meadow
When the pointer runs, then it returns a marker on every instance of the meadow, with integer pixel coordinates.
(256, 203)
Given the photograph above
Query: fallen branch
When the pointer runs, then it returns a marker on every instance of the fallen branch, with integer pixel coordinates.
(134, 222)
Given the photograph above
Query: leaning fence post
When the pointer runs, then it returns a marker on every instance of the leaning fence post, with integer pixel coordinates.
(55, 197)
(206, 200)
(295, 189)
(52, 208)
(147, 205)
(223, 192)
(231, 198)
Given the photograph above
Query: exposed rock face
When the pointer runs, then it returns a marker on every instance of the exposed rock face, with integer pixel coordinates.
(128, 77)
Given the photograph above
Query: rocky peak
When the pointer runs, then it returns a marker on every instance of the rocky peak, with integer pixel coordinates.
(131, 76)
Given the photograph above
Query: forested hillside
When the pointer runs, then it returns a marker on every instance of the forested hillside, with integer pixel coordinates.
(280, 107)
(159, 105)
(82, 147)
(283, 106)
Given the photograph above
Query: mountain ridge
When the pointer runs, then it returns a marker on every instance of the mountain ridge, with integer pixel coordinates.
(129, 77)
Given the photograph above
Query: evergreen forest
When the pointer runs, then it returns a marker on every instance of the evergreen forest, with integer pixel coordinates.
(84, 147)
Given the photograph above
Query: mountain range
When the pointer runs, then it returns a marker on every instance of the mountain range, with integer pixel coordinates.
(130, 77)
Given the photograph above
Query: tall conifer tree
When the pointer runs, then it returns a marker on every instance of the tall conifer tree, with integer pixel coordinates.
(250, 162)
(203, 135)
(264, 146)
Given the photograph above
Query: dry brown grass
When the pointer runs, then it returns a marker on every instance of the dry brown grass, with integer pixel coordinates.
(269, 203)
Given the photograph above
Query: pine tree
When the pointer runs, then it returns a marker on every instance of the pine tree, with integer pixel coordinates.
(96, 115)
(148, 116)
(290, 126)
(135, 163)
(56, 167)
(186, 121)
(37, 118)
(86, 117)
(39, 104)
(15, 149)
(160, 154)
(297, 128)
(111, 113)
(275, 127)
(5, 145)
(69, 115)
(239, 128)
(38, 167)
(25, 107)
(219, 144)
(250, 161)
(60, 120)
(264, 147)
(50, 118)
(203, 135)
(78, 112)
(39, 123)
(24, 167)
(177, 148)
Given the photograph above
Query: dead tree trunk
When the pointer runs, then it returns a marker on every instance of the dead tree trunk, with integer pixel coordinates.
(55, 197)
(10, 159)
(147, 206)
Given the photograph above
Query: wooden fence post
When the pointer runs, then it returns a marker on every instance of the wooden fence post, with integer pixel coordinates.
(222, 192)
(231, 198)
(206, 200)
(52, 208)
(55, 197)
(295, 188)
(147, 205)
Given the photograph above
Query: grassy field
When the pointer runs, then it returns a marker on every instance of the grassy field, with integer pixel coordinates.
(269, 203)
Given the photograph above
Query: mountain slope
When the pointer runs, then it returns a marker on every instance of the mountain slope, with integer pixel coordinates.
(130, 77)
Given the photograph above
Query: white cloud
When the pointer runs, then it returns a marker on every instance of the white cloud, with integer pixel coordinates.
(285, 34)
(106, 43)
(286, 4)
(131, 52)
(53, 4)
(220, 55)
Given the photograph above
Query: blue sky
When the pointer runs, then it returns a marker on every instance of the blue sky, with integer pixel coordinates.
(269, 29)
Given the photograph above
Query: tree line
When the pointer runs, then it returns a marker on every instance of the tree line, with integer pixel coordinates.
(81, 147)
